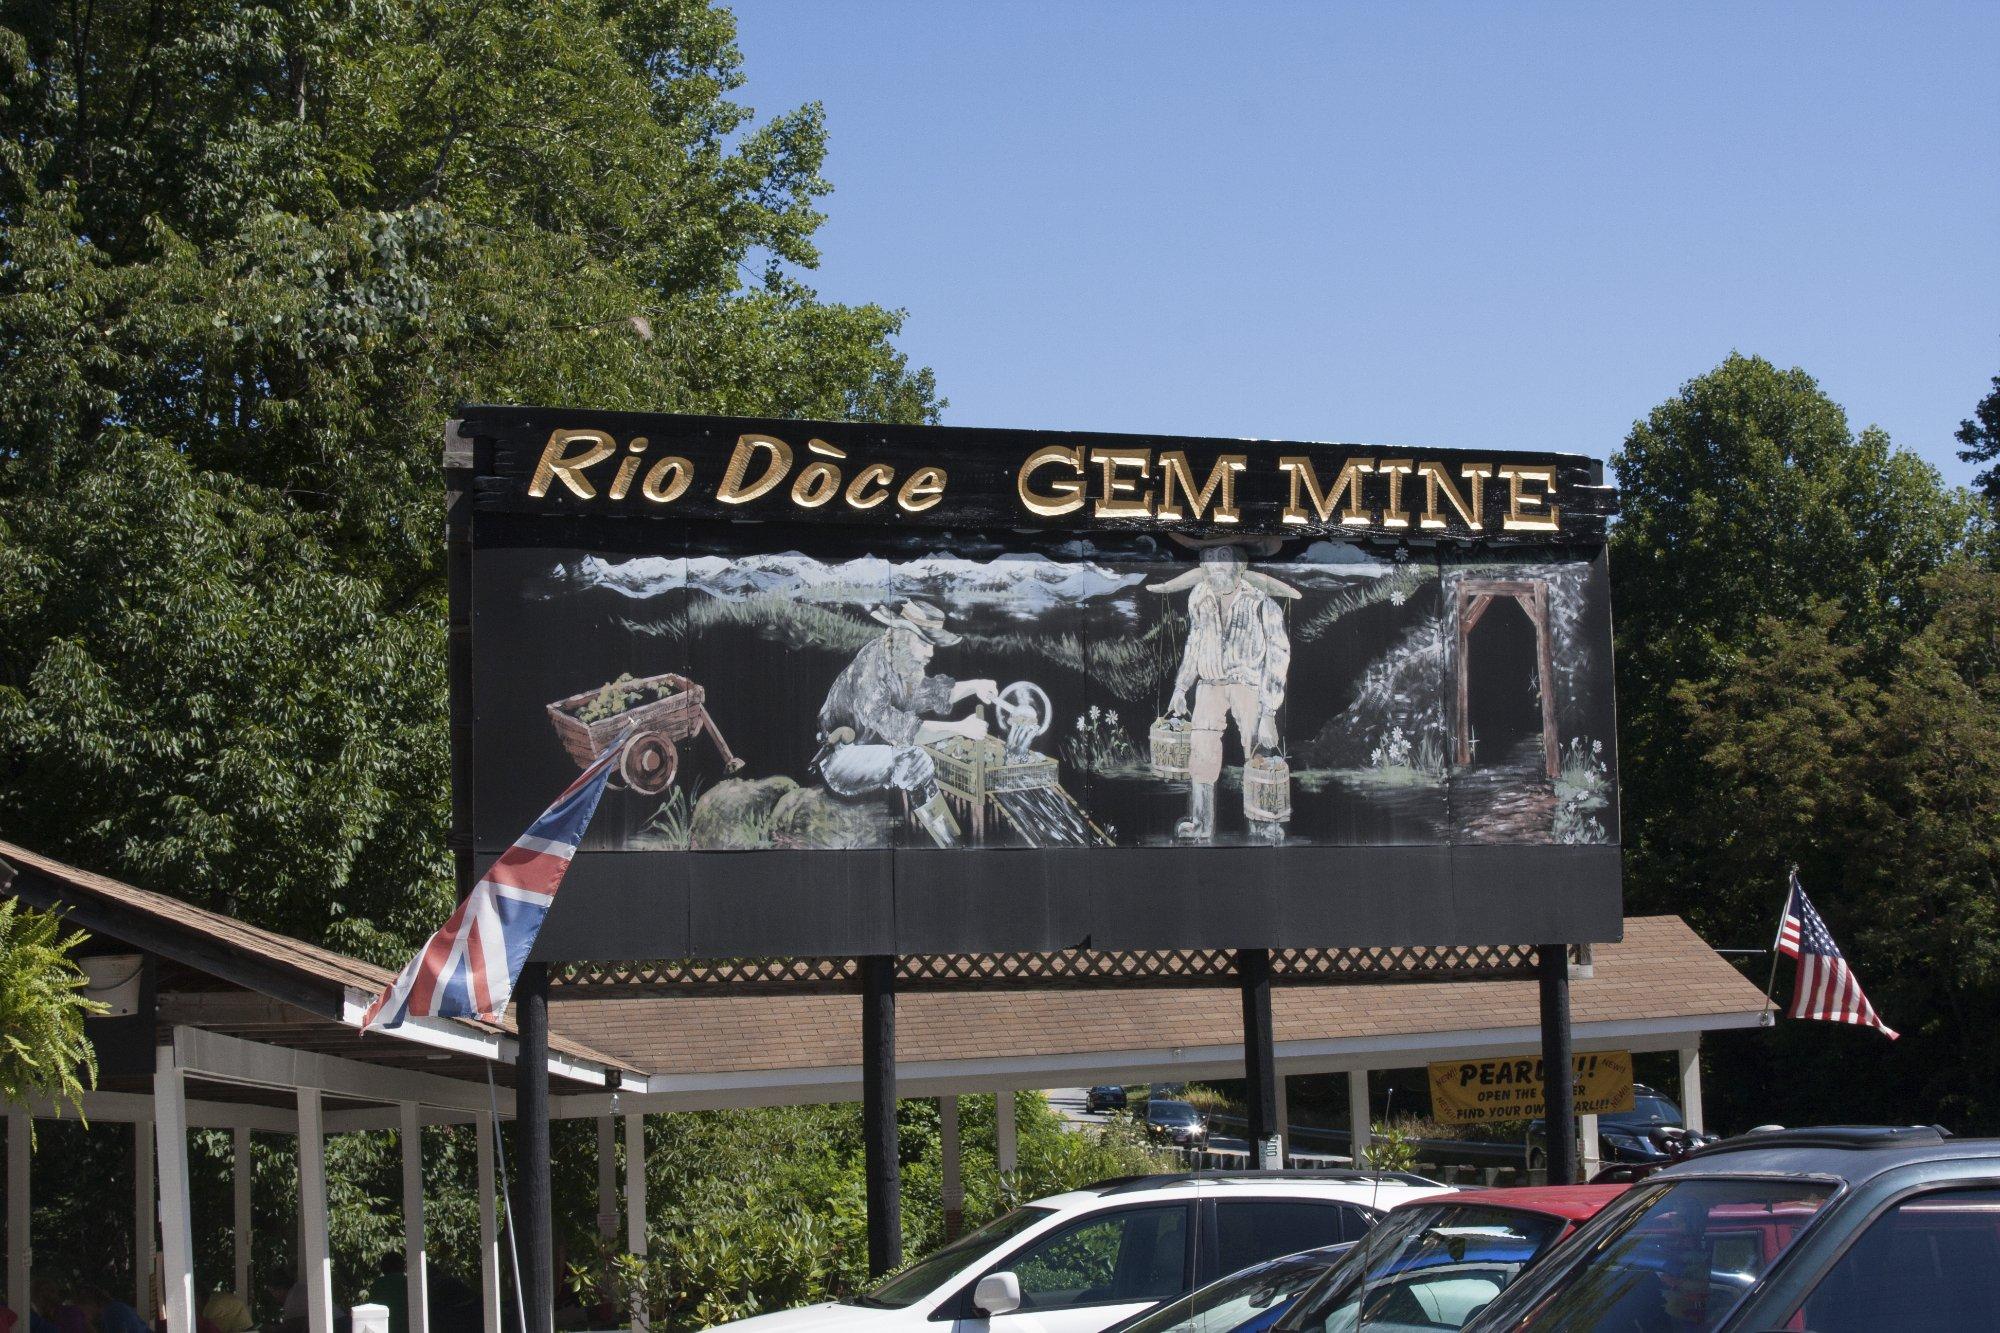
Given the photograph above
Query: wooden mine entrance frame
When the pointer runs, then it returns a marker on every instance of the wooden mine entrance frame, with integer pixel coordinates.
(1532, 596)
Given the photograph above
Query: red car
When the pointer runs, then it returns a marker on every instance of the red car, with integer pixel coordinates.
(1435, 1263)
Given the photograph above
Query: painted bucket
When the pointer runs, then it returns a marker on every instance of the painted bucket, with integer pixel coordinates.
(1267, 788)
(1172, 745)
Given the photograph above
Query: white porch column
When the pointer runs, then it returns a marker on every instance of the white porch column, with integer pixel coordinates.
(1691, 1085)
(142, 1216)
(1586, 1129)
(242, 1177)
(1357, 1115)
(315, 1264)
(411, 1133)
(607, 1179)
(951, 1190)
(19, 1127)
(489, 1226)
(1284, 1116)
(176, 1220)
(635, 1200)
(1006, 1147)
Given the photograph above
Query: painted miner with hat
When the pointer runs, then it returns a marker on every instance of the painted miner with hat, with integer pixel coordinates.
(1236, 661)
(883, 708)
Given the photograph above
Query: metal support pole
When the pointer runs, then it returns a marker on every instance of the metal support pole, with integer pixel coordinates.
(19, 1217)
(315, 1255)
(635, 1202)
(242, 1177)
(1358, 1119)
(1006, 1143)
(143, 1216)
(1260, 1061)
(418, 1300)
(176, 1204)
(1558, 1077)
(951, 1189)
(535, 1213)
(1284, 1122)
(878, 1114)
(489, 1226)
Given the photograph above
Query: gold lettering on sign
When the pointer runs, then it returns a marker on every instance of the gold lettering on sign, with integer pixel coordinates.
(1348, 483)
(1114, 502)
(1519, 501)
(923, 490)
(1393, 513)
(627, 469)
(818, 481)
(1064, 495)
(558, 462)
(877, 475)
(666, 479)
(1437, 478)
(1177, 479)
(733, 491)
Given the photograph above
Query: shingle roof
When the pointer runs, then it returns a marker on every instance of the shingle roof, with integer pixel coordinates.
(1661, 970)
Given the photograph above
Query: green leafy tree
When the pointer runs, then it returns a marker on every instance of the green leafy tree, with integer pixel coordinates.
(1747, 498)
(1979, 436)
(250, 258)
(43, 1051)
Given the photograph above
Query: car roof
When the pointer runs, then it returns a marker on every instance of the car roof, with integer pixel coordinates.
(1341, 1187)
(1574, 1202)
(1854, 1153)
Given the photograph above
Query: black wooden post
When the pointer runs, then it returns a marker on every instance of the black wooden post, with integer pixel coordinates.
(531, 1145)
(1260, 1062)
(458, 471)
(1558, 1080)
(878, 1115)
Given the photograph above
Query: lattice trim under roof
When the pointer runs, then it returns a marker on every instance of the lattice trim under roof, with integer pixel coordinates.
(1064, 969)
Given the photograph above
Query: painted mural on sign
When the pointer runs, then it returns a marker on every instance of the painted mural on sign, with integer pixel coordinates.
(959, 691)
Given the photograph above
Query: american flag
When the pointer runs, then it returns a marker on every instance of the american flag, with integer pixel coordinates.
(468, 969)
(1826, 987)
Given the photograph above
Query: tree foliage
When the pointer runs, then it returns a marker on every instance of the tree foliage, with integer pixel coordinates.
(1807, 652)
(1979, 439)
(43, 1051)
(250, 258)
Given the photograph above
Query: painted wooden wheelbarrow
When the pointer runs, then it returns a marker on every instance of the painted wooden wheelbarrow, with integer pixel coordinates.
(663, 710)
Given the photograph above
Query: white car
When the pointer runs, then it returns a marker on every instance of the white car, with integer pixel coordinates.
(1081, 1262)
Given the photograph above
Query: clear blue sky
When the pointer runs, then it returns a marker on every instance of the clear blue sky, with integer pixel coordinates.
(1477, 225)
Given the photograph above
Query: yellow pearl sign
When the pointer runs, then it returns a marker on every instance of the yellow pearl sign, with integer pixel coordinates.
(1483, 1092)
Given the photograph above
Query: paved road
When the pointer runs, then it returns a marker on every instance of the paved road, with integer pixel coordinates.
(1072, 1105)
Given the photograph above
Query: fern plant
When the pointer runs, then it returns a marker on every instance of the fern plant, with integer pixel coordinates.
(43, 1050)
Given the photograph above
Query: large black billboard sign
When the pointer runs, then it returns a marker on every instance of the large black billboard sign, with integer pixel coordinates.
(903, 689)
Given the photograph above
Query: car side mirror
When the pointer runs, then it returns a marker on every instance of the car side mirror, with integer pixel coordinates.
(996, 1294)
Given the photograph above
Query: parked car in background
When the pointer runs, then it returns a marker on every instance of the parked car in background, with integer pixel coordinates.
(1435, 1263)
(1105, 1097)
(1178, 1123)
(1245, 1302)
(1082, 1261)
(1832, 1230)
(1653, 1132)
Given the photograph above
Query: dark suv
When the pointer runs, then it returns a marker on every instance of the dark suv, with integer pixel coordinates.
(1832, 1230)
(1652, 1132)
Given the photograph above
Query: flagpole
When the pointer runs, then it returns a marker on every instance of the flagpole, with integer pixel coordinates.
(1791, 880)
(507, 1201)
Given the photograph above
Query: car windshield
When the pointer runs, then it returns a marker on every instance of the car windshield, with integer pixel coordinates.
(932, 1271)
(1674, 1256)
(1170, 1113)
(1649, 1108)
(1240, 1303)
(1432, 1266)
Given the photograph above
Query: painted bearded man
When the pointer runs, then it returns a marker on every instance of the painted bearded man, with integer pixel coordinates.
(1236, 662)
(883, 708)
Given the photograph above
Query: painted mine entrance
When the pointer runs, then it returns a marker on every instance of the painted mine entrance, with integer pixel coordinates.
(1489, 615)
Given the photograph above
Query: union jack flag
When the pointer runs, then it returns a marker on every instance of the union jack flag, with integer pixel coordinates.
(1826, 988)
(468, 969)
